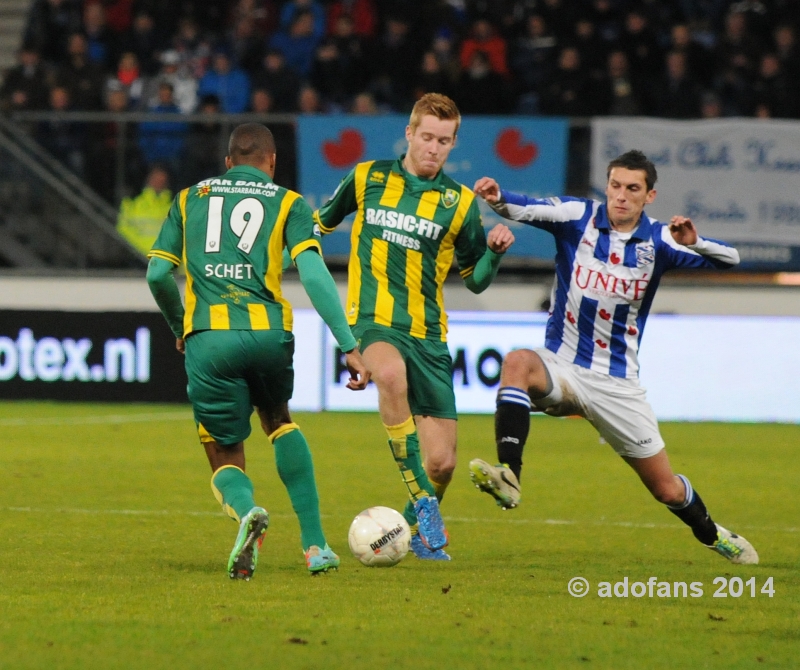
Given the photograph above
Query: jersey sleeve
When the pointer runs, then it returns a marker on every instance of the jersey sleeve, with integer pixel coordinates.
(550, 214)
(301, 232)
(704, 254)
(169, 243)
(470, 242)
(339, 205)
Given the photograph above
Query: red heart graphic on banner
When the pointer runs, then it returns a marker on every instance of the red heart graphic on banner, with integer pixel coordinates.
(570, 318)
(604, 315)
(513, 150)
(632, 330)
(615, 259)
(346, 151)
(601, 344)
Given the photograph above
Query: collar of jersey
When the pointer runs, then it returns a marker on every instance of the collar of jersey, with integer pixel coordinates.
(417, 184)
(642, 233)
(251, 171)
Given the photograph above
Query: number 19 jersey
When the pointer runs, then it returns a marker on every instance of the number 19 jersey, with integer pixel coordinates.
(230, 233)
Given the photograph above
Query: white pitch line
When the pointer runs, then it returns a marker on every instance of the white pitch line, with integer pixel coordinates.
(99, 419)
(546, 522)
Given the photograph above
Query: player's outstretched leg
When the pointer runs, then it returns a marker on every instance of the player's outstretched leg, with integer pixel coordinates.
(296, 470)
(694, 514)
(234, 491)
(427, 518)
(497, 480)
(422, 552)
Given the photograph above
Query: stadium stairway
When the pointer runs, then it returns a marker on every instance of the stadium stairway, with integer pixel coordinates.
(49, 218)
(13, 17)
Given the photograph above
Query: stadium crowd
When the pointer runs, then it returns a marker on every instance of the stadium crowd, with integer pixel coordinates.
(675, 59)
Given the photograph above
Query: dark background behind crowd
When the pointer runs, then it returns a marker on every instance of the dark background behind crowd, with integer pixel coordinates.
(677, 59)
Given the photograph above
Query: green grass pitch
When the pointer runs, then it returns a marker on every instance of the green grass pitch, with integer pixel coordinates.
(113, 552)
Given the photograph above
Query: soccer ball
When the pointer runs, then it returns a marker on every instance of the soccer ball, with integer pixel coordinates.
(379, 537)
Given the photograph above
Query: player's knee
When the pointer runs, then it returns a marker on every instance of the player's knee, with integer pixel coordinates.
(441, 470)
(520, 364)
(668, 493)
(390, 380)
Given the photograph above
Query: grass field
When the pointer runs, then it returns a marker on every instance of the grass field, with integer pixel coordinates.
(113, 552)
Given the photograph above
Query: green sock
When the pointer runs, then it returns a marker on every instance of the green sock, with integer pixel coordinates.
(234, 491)
(296, 470)
(404, 443)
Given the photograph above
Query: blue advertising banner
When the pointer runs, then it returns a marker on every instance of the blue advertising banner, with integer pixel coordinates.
(523, 155)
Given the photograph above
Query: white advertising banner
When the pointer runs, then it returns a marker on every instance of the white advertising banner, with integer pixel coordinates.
(739, 179)
(695, 368)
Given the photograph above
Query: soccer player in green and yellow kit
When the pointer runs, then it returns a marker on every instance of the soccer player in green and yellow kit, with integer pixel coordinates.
(235, 330)
(411, 220)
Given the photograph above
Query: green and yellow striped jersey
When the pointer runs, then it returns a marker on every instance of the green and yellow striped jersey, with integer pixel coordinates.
(405, 234)
(230, 233)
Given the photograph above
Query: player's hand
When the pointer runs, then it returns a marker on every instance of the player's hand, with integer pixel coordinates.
(180, 345)
(500, 238)
(683, 230)
(359, 375)
(488, 189)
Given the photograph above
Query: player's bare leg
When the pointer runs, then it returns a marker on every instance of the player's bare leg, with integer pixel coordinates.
(296, 470)
(388, 370)
(677, 493)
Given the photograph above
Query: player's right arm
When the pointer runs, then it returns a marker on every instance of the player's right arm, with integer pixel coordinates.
(164, 259)
(545, 213)
(342, 203)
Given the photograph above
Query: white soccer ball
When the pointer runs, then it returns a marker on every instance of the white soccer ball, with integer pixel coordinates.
(379, 537)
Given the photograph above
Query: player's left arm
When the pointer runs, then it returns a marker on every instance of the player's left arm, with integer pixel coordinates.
(690, 250)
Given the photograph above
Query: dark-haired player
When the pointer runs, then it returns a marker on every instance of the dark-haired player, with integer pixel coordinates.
(609, 260)
(236, 331)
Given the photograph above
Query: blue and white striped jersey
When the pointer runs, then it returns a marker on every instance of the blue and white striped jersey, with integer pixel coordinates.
(605, 280)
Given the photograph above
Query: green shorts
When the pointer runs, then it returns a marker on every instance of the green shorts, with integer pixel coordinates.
(230, 372)
(429, 368)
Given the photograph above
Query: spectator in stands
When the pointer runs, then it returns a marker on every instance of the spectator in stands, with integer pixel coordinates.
(119, 15)
(620, 92)
(710, 106)
(699, 63)
(101, 47)
(194, 50)
(282, 83)
(677, 94)
(130, 77)
(773, 89)
(567, 91)
(245, 45)
(443, 46)
(338, 70)
(293, 8)
(364, 104)
(163, 141)
(183, 84)
(298, 43)
(261, 14)
(261, 102)
(50, 23)
(203, 156)
(309, 101)
(560, 16)
(393, 62)
(431, 78)
(231, 86)
(484, 38)
(362, 15)
(737, 49)
(605, 16)
(593, 50)
(25, 85)
(143, 40)
(140, 218)
(787, 49)
(65, 140)
(641, 45)
(480, 90)
(532, 61)
(83, 79)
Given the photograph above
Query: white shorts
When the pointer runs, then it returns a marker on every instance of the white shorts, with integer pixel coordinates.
(616, 407)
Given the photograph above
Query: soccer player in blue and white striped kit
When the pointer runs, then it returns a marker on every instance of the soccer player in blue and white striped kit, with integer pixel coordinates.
(609, 261)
